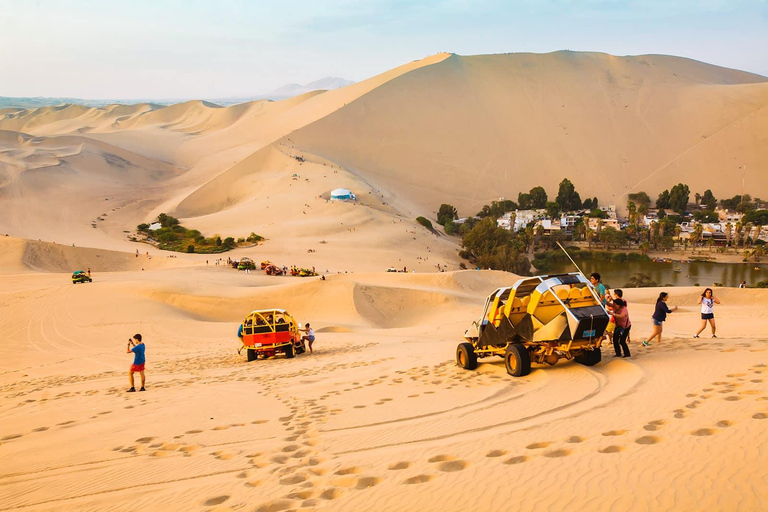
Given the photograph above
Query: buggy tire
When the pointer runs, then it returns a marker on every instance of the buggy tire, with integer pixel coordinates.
(589, 357)
(517, 360)
(290, 351)
(252, 355)
(301, 348)
(466, 357)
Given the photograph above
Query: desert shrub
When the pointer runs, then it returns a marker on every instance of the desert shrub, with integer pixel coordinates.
(424, 222)
(190, 248)
(761, 284)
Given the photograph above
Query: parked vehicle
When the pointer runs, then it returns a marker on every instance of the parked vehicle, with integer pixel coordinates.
(79, 276)
(267, 332)
(539, 319)
(246, 263)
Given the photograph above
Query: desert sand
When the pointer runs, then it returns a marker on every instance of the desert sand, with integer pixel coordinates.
(379, 417)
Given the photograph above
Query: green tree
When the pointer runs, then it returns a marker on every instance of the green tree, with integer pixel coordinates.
(705, 216)
(144, 228)
(538, 197)
(587, 204)
(567, 197)
(167, 221)
(678, 198)
(641, 199)
(524, 201)
(446, 213)
(708, 200)
(427, 224)
(663, 200)
(229, 243)
(553, 210)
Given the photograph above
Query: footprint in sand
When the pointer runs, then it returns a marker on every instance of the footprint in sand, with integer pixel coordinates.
(574, 440)
(331, 493)
(539, 445)
(704, 432)
(294, 479)
(441, 458)
(516, 460)
(453, 466)
(733, 398)
(724, 423)
(145, 440)
(12, 436)
(367, 482)
(397, 466)
(276, 506)
(760, 416)
(419, 479)
(218, 500)
(614, 433)
(41, 429)
(193, 432)
(654, 425)
(562, 452)
(495, 453)
(648, 440)
(259, 422)
(353, 470)
(611, 449)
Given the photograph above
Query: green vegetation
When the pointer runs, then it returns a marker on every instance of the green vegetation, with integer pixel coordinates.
(675, 199)
(761, 284)
(425, 222)
(446, 213)
(489, 246)
(567, 197)
(756, 217)
(172, 236)
(497, 209)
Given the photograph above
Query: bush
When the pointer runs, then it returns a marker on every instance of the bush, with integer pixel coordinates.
(190, 248)
(253, 238)
(424, 222)
(229, 242)
(761, 284)
(143, 228)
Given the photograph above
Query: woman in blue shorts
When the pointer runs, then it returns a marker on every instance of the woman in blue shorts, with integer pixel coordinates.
(659, 315)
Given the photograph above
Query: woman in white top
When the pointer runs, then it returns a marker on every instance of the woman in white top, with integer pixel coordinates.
(707, 301)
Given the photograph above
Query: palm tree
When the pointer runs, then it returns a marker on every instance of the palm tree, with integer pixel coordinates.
(581, 229)
(678, 231)
(757, 253)
(728, 234)
(739, 228)
(747, 231)
(590, 235)
(698, 229)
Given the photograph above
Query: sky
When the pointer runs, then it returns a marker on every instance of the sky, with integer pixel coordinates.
(185, 49)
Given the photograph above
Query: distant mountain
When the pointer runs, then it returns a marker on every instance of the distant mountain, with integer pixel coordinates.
(290, 90)
(281, 93)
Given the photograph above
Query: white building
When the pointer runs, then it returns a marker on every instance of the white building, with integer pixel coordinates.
(522, 219)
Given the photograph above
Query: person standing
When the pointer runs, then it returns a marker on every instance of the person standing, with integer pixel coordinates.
(659, 316)
(599, 287)
(309, 337)
(623, 325)
(136, 345)
(707, 301)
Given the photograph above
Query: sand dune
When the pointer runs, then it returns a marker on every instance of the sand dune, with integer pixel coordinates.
(610, 124)
(379, 417)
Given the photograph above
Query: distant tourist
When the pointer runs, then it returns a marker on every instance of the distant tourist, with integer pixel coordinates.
(136, 345)
(743, 284)
(659, 316)
(707, 301)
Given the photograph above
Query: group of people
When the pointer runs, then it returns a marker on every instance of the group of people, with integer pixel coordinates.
(620, 324)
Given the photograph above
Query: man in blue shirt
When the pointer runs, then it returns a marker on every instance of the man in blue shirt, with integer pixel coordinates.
(136, 345)
(599, 287)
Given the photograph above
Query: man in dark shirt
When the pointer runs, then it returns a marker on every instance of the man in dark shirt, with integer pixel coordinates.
(136, 346)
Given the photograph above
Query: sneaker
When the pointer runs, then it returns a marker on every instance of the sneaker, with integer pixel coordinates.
(142, 389)
(646, 343)
(695, 335)
(132, 390)
(714, 336)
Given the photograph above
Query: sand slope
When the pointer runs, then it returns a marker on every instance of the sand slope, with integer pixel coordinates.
(510, 122)
(378, 418)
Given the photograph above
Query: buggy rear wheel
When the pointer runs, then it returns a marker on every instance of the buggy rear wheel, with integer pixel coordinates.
(290, 351)
(251, 354)
(517, 360)
(589, 357)
(466, 357)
